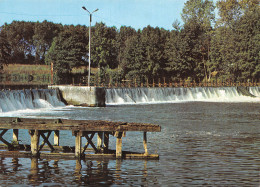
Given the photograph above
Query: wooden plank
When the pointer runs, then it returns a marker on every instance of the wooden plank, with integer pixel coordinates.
(46, 140)
(83, 125)
(142, 156)
(89, 139)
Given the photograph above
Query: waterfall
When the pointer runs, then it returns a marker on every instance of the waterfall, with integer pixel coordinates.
(12, 100)
(255, 91)
(169, 95)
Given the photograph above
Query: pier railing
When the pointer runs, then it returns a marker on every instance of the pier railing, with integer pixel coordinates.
(133, 83)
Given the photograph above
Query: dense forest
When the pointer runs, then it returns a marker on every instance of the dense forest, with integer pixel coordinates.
(225, 45)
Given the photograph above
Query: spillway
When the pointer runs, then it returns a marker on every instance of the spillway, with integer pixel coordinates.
(12, 100)
(255, 91)
(115, 96)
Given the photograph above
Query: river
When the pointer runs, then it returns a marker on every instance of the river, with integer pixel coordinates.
(201, 143)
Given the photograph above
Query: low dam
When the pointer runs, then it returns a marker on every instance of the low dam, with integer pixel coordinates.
(59, 96)
(115, 96)
(12, 100)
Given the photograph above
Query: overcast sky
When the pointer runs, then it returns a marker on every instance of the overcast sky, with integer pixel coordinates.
(134, 13)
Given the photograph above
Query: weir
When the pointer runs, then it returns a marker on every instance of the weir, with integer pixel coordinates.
(12, 100)
(180, 94)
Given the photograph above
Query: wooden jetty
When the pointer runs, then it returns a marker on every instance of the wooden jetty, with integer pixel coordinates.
(80, 129)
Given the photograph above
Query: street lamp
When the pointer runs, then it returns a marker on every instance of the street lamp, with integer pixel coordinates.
(90, 19)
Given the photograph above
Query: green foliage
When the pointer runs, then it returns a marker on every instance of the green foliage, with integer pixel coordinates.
(66, 52)
(42, 39)
(228, 46)
(5, 51)
(235, 45)
(103, 44)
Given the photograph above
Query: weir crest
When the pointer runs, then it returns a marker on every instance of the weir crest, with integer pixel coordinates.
(12, 100)
(115, 96)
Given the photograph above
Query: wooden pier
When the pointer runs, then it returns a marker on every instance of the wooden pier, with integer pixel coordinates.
(80, 129)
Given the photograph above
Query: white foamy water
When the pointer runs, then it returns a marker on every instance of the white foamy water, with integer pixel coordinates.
(255, 91)
(119, 96)
(29, 100)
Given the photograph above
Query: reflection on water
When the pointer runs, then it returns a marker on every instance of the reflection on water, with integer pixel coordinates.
(34, 171)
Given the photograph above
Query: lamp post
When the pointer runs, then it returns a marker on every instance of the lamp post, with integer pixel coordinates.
(90, 19)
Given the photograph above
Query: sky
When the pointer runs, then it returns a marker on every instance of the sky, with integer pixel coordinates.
(135, 13)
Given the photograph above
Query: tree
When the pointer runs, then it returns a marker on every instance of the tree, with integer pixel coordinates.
(66, 52)
(5, 51)
(153, 40)
(235, 45)
(19, 36)
(133, 58)
(44, 33)
(198, 16)
(122, 36)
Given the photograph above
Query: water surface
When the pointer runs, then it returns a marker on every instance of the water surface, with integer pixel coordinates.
(201, 143)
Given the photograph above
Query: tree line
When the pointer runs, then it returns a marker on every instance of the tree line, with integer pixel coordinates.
(205, 45)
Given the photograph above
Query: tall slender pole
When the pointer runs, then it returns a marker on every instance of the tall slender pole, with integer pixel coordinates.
(89, 56)
(90, 15)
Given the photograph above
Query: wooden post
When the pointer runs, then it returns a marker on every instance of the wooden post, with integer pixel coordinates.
(15, 136)
(145, 143)
(35, 142)
(119, 145)
(56, 137)
(106, 141)
(78, 142)
(99, 140)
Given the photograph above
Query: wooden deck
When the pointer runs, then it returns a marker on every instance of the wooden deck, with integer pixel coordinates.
(80, 129)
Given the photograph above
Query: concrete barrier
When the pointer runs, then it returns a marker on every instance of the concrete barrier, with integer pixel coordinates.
(82, 95)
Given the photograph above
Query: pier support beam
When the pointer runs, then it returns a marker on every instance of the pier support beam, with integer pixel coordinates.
(56, 138)
(34, 142)
(78, 142)
(15, 136)
(106, 141)
(99, 141)
(119, 145)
